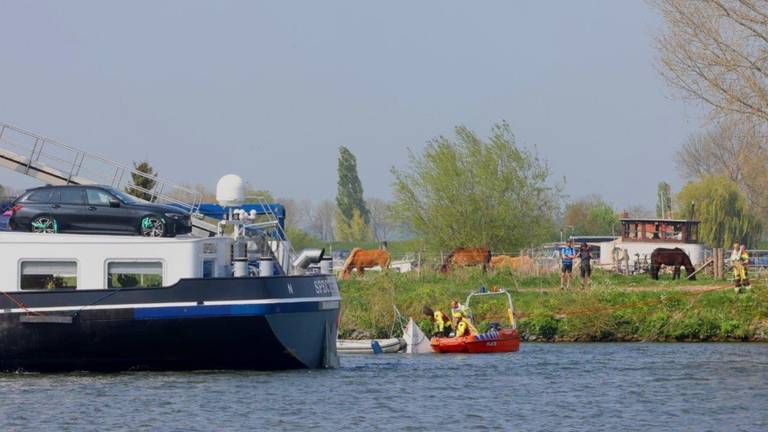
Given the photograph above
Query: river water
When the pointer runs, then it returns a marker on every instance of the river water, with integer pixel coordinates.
(645, 387)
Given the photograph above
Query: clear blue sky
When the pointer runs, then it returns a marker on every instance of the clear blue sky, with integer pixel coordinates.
(269, 90)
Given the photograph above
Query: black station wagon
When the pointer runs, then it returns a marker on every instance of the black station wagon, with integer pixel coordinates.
(94, 210)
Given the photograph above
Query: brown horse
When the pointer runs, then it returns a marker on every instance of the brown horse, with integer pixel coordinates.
(464, 257)
(522, 264)
(361, 259)
(671, 257)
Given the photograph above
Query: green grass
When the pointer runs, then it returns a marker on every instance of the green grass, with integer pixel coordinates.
(616, 308)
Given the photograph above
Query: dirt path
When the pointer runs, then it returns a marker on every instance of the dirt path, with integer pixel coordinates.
(689, 288)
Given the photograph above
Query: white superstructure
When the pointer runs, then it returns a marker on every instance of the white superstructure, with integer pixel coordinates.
(47, 261)
(641, 236)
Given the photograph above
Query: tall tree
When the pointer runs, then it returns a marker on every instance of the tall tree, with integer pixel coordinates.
(349, 195)
(722, 210)
(663, 200)
(468, 191)
(349, 198)
(714, 52)
(143, 181)
(591, 216)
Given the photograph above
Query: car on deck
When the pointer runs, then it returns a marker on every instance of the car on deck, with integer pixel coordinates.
(94, 209)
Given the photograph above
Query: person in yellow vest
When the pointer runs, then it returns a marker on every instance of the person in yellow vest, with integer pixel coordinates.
(441, 324)
(461, 319)
(744, 258)
(463, 327)
(739, 261)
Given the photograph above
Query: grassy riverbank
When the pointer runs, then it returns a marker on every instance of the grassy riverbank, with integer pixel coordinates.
(615, 308)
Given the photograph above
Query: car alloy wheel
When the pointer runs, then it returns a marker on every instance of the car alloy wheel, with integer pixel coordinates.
(152, 226)
(44, 224)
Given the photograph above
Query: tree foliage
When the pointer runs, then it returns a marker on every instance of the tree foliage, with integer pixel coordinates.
(354, 229)
(349, 196)
(723, 212)
(734, 148)
(144, 179)
(322, 221)
(472, 192)
(349, 200)
(714, 52)
(383, 225)
(301, 239)
(640, 211)
(591, 216)
(663, 200)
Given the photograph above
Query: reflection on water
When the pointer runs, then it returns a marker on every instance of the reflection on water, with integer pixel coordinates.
(543, 387)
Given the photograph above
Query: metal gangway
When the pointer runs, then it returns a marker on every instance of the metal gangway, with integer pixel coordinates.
(54, 163)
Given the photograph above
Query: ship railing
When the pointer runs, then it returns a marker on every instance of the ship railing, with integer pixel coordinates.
(56, 163)
(282, 252)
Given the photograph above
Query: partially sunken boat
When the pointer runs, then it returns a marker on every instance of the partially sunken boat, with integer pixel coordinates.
(108, 303)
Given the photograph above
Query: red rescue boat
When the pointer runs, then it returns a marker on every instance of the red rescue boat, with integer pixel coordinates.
(497, 340)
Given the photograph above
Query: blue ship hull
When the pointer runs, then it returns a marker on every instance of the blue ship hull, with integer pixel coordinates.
(223, 323)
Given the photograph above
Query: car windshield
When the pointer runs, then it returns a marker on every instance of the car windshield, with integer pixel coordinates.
(122, 196)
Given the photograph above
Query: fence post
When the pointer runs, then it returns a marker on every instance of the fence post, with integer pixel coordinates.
(718, 257)
(418, 264)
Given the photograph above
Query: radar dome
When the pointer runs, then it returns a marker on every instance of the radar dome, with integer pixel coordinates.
(230, 190)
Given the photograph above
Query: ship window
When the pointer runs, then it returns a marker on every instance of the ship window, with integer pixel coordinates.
(134, 274)
(47, 275)
(208, 268)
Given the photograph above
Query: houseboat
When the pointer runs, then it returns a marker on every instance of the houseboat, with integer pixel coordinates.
(640, 236)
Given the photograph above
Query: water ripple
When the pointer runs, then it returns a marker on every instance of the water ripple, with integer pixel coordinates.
(544, 387)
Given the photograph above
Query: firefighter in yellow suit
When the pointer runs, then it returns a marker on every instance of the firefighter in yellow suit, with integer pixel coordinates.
(462, 322)
(739, 261)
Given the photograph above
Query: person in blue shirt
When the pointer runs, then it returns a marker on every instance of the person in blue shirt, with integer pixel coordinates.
(567, 254)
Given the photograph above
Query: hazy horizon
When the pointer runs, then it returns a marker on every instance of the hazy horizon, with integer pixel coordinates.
(270, 91)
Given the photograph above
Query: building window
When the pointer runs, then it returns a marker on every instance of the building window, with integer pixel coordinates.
(48, 275)
(134, 274)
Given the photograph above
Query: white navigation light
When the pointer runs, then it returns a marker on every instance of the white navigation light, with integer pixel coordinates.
(230, 191)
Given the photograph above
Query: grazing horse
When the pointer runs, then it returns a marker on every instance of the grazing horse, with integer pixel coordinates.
(361, 259)
(463, 257)
(671, 257)
(522, 264)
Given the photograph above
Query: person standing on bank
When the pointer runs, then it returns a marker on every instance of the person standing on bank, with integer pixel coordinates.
(739, 260)
(585, 265)
(567, 254)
